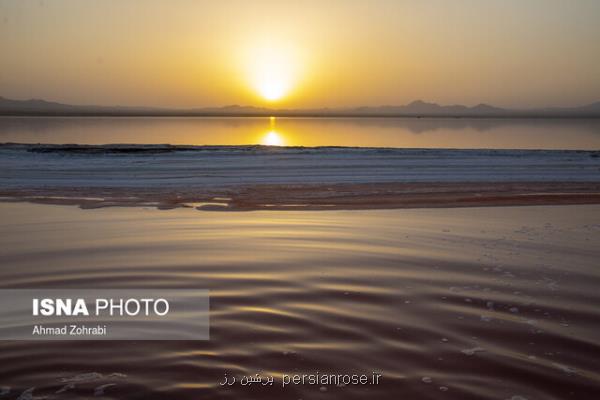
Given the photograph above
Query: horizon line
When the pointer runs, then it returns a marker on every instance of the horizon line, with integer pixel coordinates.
(414, 109)
(274, 107)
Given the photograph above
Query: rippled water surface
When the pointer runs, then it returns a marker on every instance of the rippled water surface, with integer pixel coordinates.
(444, 303)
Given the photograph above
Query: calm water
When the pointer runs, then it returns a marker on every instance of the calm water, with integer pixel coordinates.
(374, 132)
(481, 303)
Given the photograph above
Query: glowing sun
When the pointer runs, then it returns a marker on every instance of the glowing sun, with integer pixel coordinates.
(272, 72)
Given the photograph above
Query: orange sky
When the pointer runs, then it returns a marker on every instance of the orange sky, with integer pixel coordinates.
(322, 53)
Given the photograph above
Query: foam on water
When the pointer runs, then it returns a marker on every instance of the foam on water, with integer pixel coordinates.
(28, 165)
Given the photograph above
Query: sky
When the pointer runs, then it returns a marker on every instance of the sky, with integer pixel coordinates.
(510, 53)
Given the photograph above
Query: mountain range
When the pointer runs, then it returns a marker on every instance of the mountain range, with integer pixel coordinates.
(418, 108)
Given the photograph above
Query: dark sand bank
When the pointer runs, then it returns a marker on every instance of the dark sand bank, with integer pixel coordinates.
(319, 197)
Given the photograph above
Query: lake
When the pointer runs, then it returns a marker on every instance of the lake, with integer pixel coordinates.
(478, 303)
(574, 134)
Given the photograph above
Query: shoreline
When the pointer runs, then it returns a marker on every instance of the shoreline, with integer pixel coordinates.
(347, 196)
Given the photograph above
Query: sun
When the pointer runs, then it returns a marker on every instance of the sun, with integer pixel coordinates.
(272, 72)
(272, 88)
(272, 138)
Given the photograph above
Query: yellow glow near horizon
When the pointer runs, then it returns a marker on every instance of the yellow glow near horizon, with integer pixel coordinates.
(272, 138)
(272, 71)
(309, 54)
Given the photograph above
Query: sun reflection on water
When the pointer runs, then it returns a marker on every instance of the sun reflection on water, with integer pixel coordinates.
(272, 137)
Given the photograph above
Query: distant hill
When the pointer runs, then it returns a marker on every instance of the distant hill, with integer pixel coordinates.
(421, 108)
(418, 108)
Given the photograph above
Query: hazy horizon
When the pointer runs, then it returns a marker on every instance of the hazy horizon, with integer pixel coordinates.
(510, 54)
(275, 105)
